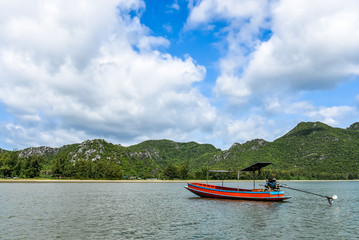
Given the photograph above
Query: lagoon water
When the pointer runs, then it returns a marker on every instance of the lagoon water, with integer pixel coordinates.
(168, 211)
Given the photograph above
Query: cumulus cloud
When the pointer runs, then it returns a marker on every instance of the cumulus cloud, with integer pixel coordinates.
(308, 46)
(71, 71)
(174, 5)
(313, 47)
(253, 127)
(67, 75)
(19, 136)
(276, 50)
(263, 123)
(209, 10)
(331, 115)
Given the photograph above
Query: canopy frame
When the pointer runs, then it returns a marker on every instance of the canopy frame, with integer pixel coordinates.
(253, 168)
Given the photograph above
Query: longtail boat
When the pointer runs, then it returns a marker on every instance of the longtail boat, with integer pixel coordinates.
(271, 192)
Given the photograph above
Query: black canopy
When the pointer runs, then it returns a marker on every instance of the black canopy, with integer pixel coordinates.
(255, 167)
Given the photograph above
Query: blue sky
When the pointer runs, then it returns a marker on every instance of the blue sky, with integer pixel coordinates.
(210, 71)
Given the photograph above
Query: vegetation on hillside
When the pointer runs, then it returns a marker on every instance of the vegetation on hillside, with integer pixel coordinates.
(309, 151)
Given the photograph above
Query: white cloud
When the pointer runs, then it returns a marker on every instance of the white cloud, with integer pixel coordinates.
(245, 20)
(67, 74)
(19, 136)
(175, 5)
(51, 31)
(313, 46)
(257, 123)
(230, 85)
(306, 111)
(254, 126)
(331, 115)
(208, 10)
(275, 51)
(71, 71)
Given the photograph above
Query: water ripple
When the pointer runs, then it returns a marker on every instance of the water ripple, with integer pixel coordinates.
(168, 211)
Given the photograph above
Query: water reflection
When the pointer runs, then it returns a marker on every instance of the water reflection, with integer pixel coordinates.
(168, 211)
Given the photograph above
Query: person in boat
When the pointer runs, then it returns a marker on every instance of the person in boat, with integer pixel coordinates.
(267, 184)
(271, 184)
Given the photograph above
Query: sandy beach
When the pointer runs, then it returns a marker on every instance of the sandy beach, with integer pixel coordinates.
(28, 180)
(95, 181)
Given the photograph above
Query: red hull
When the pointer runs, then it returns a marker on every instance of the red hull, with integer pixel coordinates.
(214, 191)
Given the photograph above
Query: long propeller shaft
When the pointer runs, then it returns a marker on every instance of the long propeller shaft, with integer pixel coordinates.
(330, 199)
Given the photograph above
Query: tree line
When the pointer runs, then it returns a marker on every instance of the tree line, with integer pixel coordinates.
(182, 171)
(11, 165)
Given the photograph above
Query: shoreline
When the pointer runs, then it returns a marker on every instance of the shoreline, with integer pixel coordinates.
(27, 180)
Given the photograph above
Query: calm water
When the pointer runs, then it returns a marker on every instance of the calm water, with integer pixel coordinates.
(168, 211)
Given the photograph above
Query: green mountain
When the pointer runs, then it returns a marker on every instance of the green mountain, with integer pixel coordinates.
(164, 152)
(312, 150)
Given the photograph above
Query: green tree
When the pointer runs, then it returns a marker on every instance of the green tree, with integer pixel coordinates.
(170, 172)
(5, 169)
(31, 166)
(61, 167)
(16, 169)
(201, 173)
(83, 169)
(57, 169)
(183, 170)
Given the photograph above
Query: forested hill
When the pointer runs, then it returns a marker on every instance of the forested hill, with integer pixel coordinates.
(311, 150)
